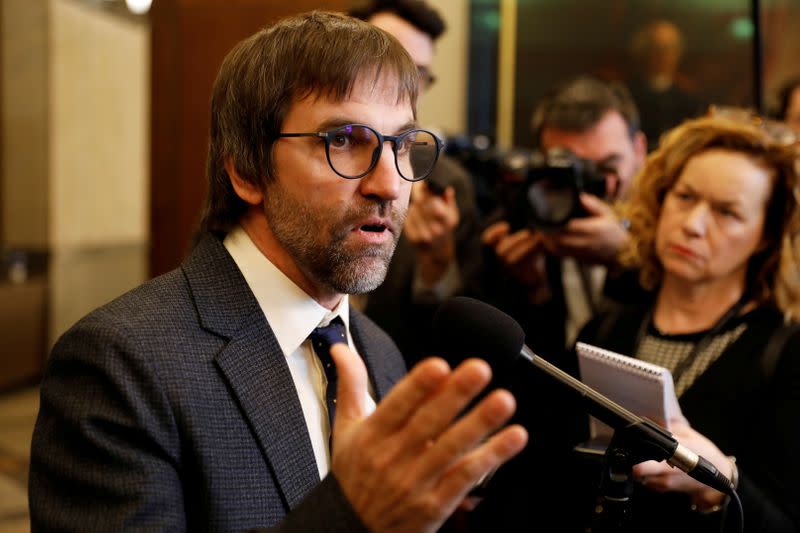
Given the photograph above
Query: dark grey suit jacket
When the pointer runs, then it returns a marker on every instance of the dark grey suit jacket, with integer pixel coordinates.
(172, 408)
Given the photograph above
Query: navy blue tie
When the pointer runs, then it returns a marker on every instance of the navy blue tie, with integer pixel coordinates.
(322, 339)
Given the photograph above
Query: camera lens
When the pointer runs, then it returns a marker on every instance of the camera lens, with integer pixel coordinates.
(552, 200)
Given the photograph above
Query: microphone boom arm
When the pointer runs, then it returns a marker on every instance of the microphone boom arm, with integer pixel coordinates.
(653, 442)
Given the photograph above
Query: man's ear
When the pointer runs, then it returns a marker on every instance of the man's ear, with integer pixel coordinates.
(246, 190)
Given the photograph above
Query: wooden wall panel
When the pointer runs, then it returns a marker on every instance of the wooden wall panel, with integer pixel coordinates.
(190, 38)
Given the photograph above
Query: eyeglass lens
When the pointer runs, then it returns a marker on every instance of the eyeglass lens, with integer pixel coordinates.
(354, 149)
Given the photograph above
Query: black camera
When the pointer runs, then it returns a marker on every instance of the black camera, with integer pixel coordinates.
(542, 189)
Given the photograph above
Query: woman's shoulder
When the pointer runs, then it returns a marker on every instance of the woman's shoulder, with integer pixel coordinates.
(779, 337)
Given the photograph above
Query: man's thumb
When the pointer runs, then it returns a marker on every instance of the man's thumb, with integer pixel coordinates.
(351, 391)
(594, 205)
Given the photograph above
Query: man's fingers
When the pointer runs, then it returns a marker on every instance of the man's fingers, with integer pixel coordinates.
(441, 209)
(431, 217)
(465, 434)
(494, 232)
(434, 416)
(415, 230)
(404, 399)
(419, 191)
(521, 251)
(594, 205)
(506, 246)
(464, 474)
(449, 197)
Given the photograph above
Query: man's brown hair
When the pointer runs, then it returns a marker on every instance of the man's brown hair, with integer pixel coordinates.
(317, 54)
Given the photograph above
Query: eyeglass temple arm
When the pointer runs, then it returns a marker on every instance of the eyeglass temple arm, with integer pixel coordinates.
(309, 134)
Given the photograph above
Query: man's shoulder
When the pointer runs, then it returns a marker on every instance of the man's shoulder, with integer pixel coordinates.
(165, 307)
(207, 282)
(154, 306)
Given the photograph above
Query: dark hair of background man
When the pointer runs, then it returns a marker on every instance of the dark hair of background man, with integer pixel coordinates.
(580, 103)
(415, 12)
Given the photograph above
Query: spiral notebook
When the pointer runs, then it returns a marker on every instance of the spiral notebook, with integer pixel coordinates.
(641, 387)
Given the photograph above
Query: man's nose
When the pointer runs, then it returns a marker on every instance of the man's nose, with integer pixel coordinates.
(383, 181)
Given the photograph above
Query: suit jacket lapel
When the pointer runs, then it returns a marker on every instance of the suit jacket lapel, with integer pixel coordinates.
(254, 366)
(378, 354)
(256, 370)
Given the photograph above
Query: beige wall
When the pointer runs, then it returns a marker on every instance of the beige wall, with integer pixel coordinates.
(99, 121)
(99, 158)
(76, 154)
(444, 106)
(76, 116)
(24, 77)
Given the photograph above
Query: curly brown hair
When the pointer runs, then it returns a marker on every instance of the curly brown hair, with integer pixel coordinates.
(773, 274)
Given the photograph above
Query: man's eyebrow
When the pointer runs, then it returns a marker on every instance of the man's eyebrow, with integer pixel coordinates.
(333, 123)
(337, 122)
(610, 159)
(410, 125)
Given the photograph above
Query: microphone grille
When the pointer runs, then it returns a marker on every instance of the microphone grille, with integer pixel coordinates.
(465, 327)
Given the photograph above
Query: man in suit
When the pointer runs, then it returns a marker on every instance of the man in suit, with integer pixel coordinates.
(197, 402)
(552, 282)
(553, 279)
(438, 254)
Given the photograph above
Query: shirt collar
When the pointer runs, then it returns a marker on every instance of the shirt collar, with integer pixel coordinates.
(291, 312)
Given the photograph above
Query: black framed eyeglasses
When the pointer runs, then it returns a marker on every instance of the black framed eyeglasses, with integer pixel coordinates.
(353, 150)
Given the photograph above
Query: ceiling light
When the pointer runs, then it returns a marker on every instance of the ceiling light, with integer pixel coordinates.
(139, 7)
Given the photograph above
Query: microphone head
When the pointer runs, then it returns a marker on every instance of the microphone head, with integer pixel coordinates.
(465, 327)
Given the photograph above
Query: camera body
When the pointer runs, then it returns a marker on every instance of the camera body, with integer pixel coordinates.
(542, 189)
(528, 188)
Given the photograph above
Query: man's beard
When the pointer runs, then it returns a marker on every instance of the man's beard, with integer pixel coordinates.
(315, 239)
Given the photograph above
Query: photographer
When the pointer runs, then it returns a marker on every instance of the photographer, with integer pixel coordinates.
(551, 279)
(439, 249)
(536, 264)
(789, 104)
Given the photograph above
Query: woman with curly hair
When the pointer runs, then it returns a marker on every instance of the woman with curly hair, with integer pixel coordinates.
(714, 224)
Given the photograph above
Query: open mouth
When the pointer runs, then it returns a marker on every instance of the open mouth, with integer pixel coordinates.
(374, 228)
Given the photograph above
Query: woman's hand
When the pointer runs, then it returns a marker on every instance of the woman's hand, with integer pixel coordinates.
(661, 477)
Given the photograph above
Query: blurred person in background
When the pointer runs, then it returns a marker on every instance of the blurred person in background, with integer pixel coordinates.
(439, 252)
(552, 282)
(663, 95)
(789, 105)
(714, 233)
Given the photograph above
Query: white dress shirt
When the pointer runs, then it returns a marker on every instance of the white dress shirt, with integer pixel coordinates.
(579, 308)
(293, 314)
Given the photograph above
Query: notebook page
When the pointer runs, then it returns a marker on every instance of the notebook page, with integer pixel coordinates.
(641, 387)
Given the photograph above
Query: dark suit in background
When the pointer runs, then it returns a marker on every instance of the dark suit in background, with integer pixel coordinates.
(740, 405)
(172, 408)
(407, 316)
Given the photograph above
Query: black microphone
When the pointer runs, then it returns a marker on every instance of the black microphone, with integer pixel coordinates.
(466, 327)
